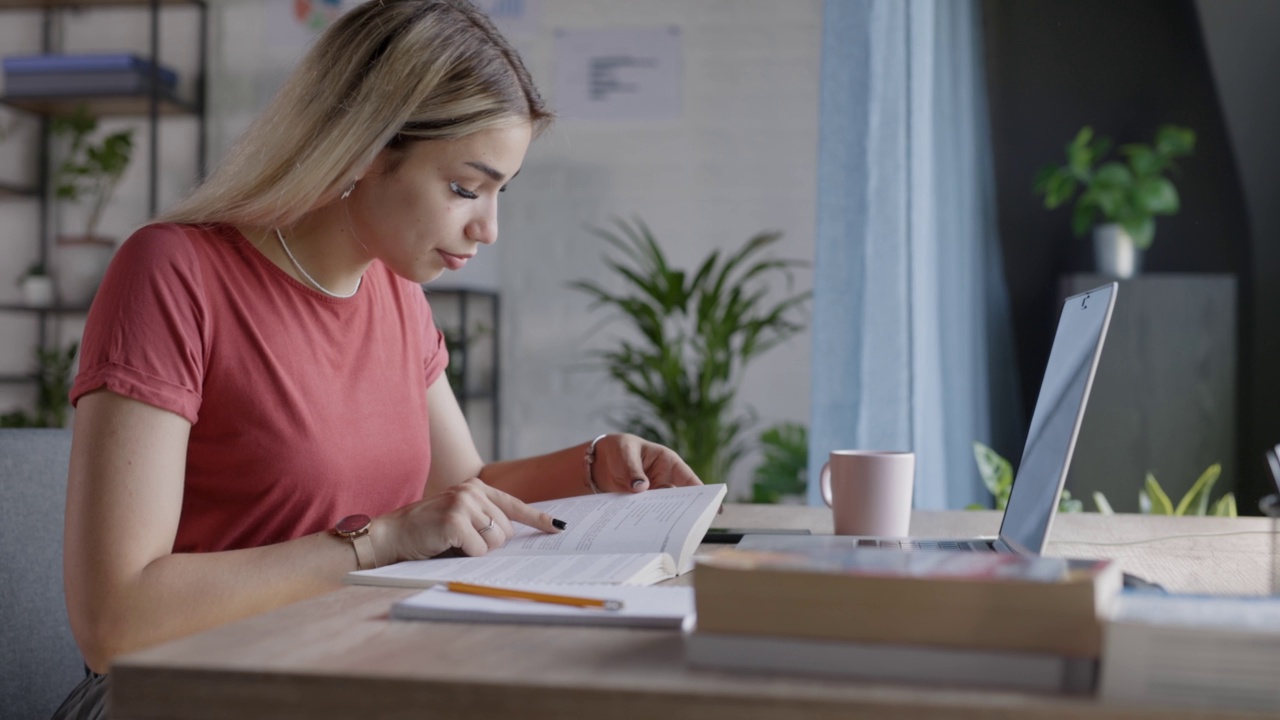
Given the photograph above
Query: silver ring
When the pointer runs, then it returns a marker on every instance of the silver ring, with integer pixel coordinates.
(487, 528)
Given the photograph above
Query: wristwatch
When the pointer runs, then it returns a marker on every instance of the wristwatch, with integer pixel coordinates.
(356, 529)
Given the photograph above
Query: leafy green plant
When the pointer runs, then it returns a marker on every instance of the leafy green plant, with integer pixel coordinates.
(783, 471)
(1153, 500)
(694, 334)
(997, 475)
(90, 169)
(35, 269)
(1130, 193)
(458, 352)
(53, 374)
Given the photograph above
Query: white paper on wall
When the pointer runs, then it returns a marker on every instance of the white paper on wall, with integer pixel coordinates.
(619, 74)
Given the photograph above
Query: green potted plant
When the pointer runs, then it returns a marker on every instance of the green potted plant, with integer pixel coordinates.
(784, 466)
(89, 171)
(692, 335)
(1117, 200)
(53, 376)
(36, 286)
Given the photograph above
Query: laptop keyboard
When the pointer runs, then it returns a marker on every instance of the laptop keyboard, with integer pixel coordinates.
(926, 545)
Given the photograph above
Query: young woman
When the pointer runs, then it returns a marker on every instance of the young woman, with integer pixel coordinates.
(260, 367)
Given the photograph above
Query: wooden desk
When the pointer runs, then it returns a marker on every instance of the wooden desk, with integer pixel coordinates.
(340, 656)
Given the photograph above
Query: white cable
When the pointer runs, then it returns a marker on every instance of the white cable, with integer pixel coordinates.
(1168, 537)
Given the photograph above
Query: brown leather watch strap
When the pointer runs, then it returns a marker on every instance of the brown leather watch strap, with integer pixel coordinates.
(356, 529)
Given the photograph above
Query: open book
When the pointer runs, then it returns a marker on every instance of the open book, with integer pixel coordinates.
(612, 538)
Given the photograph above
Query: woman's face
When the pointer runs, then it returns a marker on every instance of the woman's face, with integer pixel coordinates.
(432, 211)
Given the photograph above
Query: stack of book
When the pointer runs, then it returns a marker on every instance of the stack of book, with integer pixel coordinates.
(1185, 651)
(36, 76)
(962, 618)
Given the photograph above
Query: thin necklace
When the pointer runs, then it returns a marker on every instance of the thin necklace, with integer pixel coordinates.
(298, 266)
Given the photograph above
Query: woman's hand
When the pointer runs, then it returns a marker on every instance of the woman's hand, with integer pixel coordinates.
(470, 516)
(627, 463)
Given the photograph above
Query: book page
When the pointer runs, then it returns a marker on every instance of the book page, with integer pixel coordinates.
(659, 521)
(600, 568)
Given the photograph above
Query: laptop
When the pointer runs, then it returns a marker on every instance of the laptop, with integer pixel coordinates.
(1055, 424)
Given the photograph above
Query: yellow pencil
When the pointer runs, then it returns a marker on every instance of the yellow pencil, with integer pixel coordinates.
(510, 594)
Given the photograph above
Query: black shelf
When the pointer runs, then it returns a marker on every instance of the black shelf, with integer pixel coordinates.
(455, 309)
(10, 379)
(152, 103)
(12, 190)
(87, 4)
(102, 105)
(45, 309)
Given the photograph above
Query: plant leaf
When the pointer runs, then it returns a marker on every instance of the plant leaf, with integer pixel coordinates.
(1159, 501)
(1225, 506)
(1157, 196)
(1104, 506)
(996, 473)
(1143, 160)
(1112, 175)
(1196, 501)
(1083, 218)
(1175, 141)
(1142, 229)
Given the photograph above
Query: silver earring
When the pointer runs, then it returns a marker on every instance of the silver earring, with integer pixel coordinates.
(350, 188)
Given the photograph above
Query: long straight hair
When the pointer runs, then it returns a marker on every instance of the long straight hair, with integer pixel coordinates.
(388, 73)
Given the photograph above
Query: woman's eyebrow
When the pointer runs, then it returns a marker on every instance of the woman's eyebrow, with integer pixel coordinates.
(491, 172)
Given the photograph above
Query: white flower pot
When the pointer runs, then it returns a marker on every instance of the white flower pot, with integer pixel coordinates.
(37, 290)
(1114, 253)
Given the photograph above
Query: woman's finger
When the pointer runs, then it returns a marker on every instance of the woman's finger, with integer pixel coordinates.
(678, 471)
(493, 533)
(463, 532)
(633, 464)
(520, 512)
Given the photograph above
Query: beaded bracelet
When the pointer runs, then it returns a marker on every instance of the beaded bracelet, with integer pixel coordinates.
(590, 458)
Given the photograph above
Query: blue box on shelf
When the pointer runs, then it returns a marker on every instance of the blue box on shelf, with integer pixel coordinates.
(82, 74)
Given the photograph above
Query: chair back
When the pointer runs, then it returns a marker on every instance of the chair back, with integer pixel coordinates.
(39, 660)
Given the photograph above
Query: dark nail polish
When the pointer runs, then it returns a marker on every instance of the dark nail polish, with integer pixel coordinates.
(559, 524)
(638, 483)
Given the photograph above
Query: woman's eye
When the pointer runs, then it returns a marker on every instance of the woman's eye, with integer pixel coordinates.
(462, 192)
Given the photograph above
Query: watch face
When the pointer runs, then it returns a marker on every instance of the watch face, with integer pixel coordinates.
(352, 524)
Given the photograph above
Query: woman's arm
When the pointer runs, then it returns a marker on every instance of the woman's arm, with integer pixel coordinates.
(623, 463)
(125, 587)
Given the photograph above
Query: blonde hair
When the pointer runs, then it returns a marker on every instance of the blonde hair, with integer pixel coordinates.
(387, 73)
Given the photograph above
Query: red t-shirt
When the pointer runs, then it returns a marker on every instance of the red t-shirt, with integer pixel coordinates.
(304, 408)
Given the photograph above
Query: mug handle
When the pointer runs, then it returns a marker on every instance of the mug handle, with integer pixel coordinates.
(824, 483)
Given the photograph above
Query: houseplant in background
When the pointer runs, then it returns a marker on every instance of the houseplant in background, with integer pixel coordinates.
(53, 375)
(1152, 499)
(1125, 195)
(784, 466)
(36, 286)
(691, 336)
(89, 170)
(997, 475)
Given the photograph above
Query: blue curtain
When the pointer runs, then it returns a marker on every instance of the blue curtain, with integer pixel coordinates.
(912, 340)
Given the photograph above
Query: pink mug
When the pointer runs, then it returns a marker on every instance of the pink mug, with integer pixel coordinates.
(869, 491)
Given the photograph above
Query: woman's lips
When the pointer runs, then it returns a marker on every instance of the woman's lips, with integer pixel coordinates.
(454, 262)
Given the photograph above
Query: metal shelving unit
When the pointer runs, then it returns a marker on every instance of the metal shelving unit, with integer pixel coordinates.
(469, 319)
(158, 102)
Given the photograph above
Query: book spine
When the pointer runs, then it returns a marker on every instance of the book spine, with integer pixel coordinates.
(1016, 670)
(1034, 617)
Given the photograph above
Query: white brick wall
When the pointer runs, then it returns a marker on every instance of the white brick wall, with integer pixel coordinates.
(741, 160)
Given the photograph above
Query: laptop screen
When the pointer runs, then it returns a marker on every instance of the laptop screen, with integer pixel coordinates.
(1055, 423)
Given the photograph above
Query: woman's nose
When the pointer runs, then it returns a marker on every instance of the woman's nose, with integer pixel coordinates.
(484, 228)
